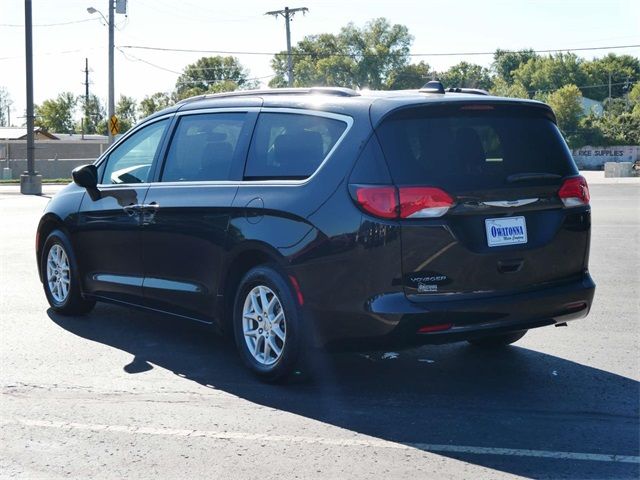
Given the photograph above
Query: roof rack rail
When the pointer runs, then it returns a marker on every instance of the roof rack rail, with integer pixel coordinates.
(335, 91)
(473, 91)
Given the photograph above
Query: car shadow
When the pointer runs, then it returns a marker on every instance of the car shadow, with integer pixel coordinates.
(514, 398)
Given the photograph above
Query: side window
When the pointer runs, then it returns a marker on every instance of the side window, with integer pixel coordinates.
(131, 161)
(290, 145)
(203, 147)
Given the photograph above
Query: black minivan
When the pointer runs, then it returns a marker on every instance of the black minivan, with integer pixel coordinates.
(326, 217)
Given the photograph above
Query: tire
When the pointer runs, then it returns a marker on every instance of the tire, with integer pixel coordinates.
(496, 341)
(60, 276)
(272, 349)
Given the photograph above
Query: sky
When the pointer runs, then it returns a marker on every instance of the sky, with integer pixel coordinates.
(242, 26)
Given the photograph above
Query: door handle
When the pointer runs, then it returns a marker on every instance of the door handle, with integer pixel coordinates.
(151, 206)
(131, 209)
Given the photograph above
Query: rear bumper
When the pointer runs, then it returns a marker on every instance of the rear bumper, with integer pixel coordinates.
(396, 320)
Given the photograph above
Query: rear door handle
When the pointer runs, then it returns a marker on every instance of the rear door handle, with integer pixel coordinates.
(151, 206)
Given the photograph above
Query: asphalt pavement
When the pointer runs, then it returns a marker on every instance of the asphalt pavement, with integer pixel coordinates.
(128, 394)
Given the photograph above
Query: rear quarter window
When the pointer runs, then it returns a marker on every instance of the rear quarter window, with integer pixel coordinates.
(476, 149)
(290, 145)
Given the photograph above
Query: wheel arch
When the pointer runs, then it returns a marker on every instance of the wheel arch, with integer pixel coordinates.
(48, 223)
(245, 257)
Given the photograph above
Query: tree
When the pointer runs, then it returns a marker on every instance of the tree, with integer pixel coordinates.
(56, 115)
(414, 75)
(547, 74)
(154, 103)
(634, 99)
(502, 89)
(94, 115)
(5, 104)
(566, 102)
(318, 60)
(213, 74)
(366, 57)
(506, 62)
(623, 68)
(466, 75)
(126, 112)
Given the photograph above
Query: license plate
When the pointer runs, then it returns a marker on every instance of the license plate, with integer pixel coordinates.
(506, 231)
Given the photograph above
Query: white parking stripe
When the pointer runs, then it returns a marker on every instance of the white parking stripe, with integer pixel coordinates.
(346, 442)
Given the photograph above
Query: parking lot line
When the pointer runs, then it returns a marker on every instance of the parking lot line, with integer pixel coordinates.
(346, 442)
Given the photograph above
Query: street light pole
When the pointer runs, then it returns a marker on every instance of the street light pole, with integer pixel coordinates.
(112, 105)
(30, 181)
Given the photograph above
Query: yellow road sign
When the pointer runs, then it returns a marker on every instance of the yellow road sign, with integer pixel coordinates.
(114, 125)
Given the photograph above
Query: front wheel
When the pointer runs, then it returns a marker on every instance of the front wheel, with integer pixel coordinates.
(60, 276)
(498, 340)
(267, 324)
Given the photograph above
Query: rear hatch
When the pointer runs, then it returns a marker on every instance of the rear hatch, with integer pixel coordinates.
(489, 198)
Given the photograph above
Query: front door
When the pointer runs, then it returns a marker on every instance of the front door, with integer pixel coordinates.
(107, 239)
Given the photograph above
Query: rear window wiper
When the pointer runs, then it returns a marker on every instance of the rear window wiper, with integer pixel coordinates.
(523, 177)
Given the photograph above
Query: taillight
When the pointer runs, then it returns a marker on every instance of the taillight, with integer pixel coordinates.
(379, 201)
(403, 202)
(574, 192)
(424, 202)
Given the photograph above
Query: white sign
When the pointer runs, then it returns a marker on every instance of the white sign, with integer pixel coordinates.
(596, 157)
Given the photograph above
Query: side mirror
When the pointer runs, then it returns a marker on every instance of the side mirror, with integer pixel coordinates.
(86, 176)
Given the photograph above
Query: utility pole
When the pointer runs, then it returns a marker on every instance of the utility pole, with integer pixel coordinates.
(30, 181)
(112, 104)
(288, 14)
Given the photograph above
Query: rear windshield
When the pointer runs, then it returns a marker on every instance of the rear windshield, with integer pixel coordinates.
(472, 149)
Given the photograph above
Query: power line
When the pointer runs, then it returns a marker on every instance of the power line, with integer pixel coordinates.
(340, 54)
(133, 58)
(49, 24)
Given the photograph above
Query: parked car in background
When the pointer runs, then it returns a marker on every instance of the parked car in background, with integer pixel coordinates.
(302, 218)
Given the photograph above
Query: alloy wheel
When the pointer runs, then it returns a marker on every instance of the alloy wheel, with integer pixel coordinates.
(58, 273)
(264, 325)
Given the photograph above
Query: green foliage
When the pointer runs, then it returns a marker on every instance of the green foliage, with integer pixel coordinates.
(566, 102)
(547, 74)
(466, 75)
(56, 115)
(315, 63)
(410, 76)
(378, 49)
(622, 69)
(212, 74)
(94, 115)
(503, 89)
(505, 63)
(154, 103)
(5, 103)
(367, 57)
(634, 99)
(126, 112)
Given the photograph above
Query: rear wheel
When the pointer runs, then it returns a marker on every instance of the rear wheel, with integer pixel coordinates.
(498, 340)
(267, 324)
(60, 276)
